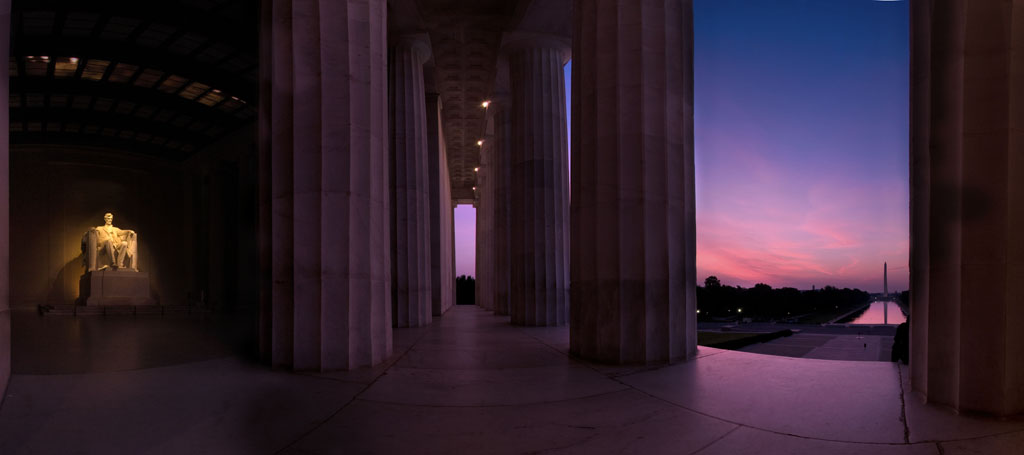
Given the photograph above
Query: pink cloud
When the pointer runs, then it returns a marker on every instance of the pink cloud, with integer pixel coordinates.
(760, 222)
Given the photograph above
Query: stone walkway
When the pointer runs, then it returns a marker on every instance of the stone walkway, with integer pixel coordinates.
(827, 347)
(471, 383)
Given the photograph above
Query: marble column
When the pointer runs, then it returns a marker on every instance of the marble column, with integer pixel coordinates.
(501, 175)
(967, 204)
(452, 249)
(265, 147)
(442, 280)
(410, 184)
(326, 111)
(485, 228)
(539, 205)
(633, 229)
(5, 200)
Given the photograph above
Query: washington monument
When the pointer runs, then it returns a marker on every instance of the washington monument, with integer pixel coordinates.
(885, 292)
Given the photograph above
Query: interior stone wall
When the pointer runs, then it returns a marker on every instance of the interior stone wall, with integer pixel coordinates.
(221, 211)
(5, 308)
(58, 192)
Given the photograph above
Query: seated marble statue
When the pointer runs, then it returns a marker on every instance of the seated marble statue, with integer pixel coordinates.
(118, 245)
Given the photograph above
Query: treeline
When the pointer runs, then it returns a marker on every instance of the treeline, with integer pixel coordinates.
(465, 290)
(763, 303)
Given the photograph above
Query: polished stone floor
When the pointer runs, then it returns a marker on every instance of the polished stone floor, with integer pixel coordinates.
(471, 383)
(93, 344)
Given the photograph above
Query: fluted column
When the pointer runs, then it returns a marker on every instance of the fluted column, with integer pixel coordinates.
(539, 206)
(502, 176)
(485, 228)
(5, 288)
(633, 230)
(442, 279)
(967, 204)
(325, 109)
(410, 184)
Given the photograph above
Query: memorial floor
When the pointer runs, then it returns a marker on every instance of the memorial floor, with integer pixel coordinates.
(469, 383)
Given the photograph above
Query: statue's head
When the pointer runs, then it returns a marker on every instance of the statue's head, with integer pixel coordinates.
(108, 218)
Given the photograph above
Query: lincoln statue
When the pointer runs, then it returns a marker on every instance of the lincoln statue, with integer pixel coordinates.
(117, 244)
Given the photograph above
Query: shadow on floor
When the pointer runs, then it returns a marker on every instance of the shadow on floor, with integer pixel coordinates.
(94, 344)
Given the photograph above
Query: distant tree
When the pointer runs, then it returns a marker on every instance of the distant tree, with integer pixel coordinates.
(720, 302)
(465, 290)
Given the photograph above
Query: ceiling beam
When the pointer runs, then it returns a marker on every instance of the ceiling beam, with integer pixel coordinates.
(212, 23)
(118, 122)
(116, 143)
(115, 51)
(121, 91)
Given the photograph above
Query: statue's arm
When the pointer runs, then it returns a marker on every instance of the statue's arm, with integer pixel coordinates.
(131, 239)
(90, 242)
(93, 231)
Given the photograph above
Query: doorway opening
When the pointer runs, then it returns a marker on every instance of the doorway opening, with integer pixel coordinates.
(465, 254)
(802, 179)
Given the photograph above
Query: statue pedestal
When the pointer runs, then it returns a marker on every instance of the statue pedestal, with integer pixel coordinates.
(114, 287)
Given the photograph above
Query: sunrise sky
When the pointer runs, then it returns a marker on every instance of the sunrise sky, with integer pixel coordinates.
(801, 139)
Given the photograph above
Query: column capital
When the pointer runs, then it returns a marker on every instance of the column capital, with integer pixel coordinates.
(499, 99)
(417, 42)
(486, 151)
(518, 41)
